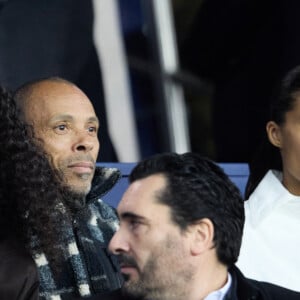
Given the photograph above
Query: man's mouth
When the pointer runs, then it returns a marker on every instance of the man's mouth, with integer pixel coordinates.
(82, 167)
(128, 271)
(128, 265)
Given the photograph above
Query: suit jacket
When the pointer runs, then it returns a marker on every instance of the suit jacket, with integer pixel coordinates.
(241, 288)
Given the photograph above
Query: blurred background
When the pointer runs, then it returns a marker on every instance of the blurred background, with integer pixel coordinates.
(163, 75)
(167, 115)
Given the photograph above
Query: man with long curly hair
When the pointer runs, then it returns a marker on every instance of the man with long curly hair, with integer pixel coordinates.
(27, 185)
(66, 126)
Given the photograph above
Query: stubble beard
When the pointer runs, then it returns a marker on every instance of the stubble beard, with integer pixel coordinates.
(74, 196)
(159, 280)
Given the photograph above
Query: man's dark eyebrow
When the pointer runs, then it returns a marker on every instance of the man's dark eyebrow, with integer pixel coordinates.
(61, 117)
(94, 119)
(132, 216)
(67, 117)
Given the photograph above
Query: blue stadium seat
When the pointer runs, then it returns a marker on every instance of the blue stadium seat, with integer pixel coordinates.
(237, 172)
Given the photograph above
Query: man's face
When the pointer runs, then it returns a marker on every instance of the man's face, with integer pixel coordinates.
(64, 119)
(153, 252)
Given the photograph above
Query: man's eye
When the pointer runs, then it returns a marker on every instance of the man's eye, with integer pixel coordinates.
(61, 128)
(92, 129)
(134, 224)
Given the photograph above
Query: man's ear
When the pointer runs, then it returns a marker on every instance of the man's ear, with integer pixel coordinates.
(274, 134)
(202, 236)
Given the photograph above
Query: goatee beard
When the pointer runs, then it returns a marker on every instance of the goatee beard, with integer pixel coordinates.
(74, 200)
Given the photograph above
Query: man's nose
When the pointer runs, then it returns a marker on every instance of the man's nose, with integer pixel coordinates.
(83, 142)
(118, 244)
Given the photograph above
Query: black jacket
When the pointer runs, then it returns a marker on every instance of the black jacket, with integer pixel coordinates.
(241, 288)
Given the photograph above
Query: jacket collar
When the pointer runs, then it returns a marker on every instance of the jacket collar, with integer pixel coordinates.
(103, 181)
(241, 287)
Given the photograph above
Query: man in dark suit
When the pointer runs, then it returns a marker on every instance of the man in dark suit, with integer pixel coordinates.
(181, 225)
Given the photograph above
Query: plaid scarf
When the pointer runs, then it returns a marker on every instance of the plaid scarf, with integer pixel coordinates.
(88, 267)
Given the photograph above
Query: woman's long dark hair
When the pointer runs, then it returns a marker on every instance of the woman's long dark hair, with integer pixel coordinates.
(29, 188)
(268, 156)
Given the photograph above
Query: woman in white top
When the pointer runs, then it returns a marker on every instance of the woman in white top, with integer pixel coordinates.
(271, 243)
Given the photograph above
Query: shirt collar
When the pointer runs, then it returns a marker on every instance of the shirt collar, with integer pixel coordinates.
(220, 294)
(269, 194)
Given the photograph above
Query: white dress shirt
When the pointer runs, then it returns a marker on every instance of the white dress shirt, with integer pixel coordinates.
(220, 294)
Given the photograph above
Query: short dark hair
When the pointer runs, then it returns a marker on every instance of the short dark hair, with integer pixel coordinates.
(197, 188)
